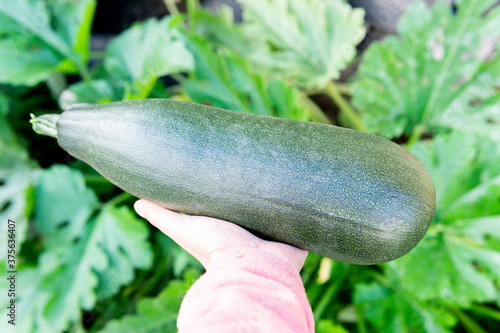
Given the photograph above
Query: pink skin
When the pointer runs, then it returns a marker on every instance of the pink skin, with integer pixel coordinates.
(204, 236)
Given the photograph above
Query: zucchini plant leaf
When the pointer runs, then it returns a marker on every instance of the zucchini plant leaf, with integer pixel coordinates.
(226, 81)
(464, 242)
(133, 63)
(308, 41)
(83, 259)
(442, 71)
(95, 91)
(124, 239)
(7, 134)
(16, 191)
(464, 265)
(157, 50)
(158, 314)
(464, 168)
(220, 29)
(39, 38)
(4, 103)
(393, 310)
(327, 326)
(73, 22)
(63, 204)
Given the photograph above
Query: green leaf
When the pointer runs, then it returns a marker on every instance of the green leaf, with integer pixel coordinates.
(463, 268)
(74, 272)
(124, 239)
(225, 80)
(4, 104)
(441, 72)
(145, 52)
(179, 259)
(309, 41)
(327, 326)
(63, 204)
(465, 173)
(7, 134)
(38, 39)
(16, 191)
(464, 241)
(393, 310)
(221, 30)
(95, 91)
(73, 22)
(154, 315)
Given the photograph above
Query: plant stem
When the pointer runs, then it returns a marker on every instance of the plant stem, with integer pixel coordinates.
(85, 74)
(344, 107)
(415, 135)
(469, 324)
(344, 88)
(486, 311)
(56, 84)
(120, 198)
(360, 322)
(192, 7)
(309, 270)
(178, 77)
(330, 293)
(316, 113)
(172, 7)
(97, 55)
(96, 180)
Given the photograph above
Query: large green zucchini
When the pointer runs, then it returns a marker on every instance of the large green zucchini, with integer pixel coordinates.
(344, 194)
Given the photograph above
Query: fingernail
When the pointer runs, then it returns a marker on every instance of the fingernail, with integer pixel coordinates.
(139, 208)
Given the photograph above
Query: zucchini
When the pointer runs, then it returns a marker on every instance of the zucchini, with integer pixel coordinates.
(347, 195)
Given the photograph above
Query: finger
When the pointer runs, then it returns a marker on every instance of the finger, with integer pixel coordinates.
(197, 235)
(172, 224)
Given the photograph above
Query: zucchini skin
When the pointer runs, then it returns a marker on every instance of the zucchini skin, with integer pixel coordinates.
(347, 195)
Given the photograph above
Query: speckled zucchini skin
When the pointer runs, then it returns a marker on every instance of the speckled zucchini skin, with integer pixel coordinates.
(343, 194)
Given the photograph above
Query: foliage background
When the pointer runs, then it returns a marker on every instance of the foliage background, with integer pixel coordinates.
(87, 263)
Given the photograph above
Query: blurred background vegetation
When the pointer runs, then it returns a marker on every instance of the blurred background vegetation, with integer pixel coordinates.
(424, 74)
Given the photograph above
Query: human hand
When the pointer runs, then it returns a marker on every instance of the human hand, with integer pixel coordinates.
(203, 237)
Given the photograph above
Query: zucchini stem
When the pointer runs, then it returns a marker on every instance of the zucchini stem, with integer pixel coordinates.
(469, 324)
(192, 7)
(343, 88)
(56, 84)
(97, 55)
(485, 311)
(417, 133)
(360, 322)
(345, 108)
(315, 112)
(172, 7)
(331, 292)
(45, 124)
(119, 199)
(85, 74)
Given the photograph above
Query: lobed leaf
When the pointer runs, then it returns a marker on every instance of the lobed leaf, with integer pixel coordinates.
(16, 191)
(393, 310)
(442, 71)
(132, 72)
(39, 38)
(154, 315)
(227, 81)
(308, 41)
(460, 256)
(157, 51)
(63, 204)
(84, 259)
